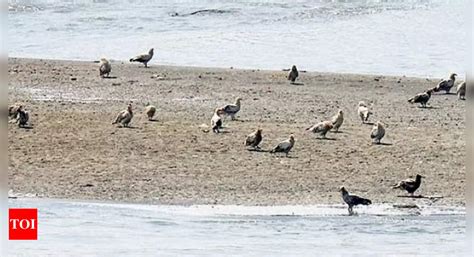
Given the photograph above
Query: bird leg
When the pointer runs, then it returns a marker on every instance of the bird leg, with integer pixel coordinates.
(350, 211)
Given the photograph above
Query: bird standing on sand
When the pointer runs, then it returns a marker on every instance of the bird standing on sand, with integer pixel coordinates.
(124, 117)
(322, 128)
(461, 91)
(232, 109)
(446, 85)
(216, 120)
(378, 132)
(421, 98)
(143, 58)
(284, 146)
(254, 139)
(363, 111)
(293, 74)
(337, 120)
(150, 111)
(105, 67)
(13, 111)
(22, 117)
(353, 200)
(410, 185)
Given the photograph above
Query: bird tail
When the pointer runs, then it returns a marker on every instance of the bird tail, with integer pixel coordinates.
(132, 60)
(436, 89)
(411, 100)
(366, 202)
(396, 186)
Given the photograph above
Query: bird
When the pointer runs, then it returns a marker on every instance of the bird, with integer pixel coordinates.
(353, 200)
(232, 109)
(143, 58)
(409, 185)
(284, 146)
(446, 85)
(378, 132)
(337, 120)
(322, 128)
(124, 117)
(363, 111)
(254, 139)
(22, 117)
(150, 111)
(461, 91)
(421, 98)
(293, 74)
(13, 111)
(105, 67)
(216, 120)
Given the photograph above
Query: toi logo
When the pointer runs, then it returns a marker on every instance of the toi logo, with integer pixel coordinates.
(23, 224)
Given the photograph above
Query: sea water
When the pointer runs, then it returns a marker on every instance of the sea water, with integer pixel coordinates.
(75, 228)
(397, 37)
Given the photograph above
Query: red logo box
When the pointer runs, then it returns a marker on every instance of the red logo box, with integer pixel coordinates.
(23, 224)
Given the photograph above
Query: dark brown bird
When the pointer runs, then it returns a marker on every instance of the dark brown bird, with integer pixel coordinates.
(410, 185)
(293, 75)
(254, 139)
(124, 117)
(446, 85)
(22, 117)
(143, 58)
(353, 200)
(421, 98)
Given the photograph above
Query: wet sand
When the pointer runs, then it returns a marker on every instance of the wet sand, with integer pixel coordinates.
(73, 151)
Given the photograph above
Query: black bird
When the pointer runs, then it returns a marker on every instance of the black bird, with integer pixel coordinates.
(410, 185)
(22, 117)
(446, 85)
(293, 74)
(421, 98)
(353, 200)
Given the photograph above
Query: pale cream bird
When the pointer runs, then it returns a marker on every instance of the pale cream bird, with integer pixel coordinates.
(143, 58)
(321, 128)
(337, 120)
(461, 91)
(150, 111)
(105, 68)
(124, 117)
(232, 109)
(378, 132)
(363, 111)
(284, 146)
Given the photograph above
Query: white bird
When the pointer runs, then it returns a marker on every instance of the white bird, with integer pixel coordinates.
(124, 117)
(284, 146)
(363, 111)
(337, 120)
(150, 111)
(232, 109)
(216, 120)
(322, 128)
(378, 132)
(446, 85)
(13, 111)
(143, 58)
(461, 91)
(105, 67)
(293, 75)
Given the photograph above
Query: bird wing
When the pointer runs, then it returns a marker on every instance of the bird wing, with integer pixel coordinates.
(142, 57)
(374, 132)
(443, 84)
(250, 139)
(231, 108)
(283, 145)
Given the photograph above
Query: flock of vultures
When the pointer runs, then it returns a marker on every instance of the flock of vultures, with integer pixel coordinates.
(18, 114)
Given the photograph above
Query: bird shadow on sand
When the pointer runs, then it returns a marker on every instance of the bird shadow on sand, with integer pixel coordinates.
(428, 107)
(258, 150)
(369, 123)
(27, 127)
(297, 83)
(153, 120)
(128, 127)
(223, 132)
(110, 77)
(384, 144)
(326, 138)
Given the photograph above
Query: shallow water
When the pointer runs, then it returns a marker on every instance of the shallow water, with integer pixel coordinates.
(400, 37)
(69, 228)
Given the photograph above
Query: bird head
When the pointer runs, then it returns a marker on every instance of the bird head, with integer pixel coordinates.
(238, 99)
(103, 60)
(453, 75)
(292, 138)
(293, 68)
(150, 51)
(362, 103)
(419, 176)
(219, 111)
(342, 189)
(259, 131)
(341, 112)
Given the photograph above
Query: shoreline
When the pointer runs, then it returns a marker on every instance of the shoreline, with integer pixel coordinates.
(73, 151)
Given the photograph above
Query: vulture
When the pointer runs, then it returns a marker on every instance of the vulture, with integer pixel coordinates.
(322, 128)
(378, 132)
(254, 139)
(150, 111)
(421, 98)
(293, 74)
(216, 121)
(105, 68)
(232, 109)
(461, 91)
(22, 117)
(284, 146)
(353, 200)
(337, 120)
(124, 117)
(410, 185)
(446, 85)
(143, 58)
(13, 111)
(363, 112)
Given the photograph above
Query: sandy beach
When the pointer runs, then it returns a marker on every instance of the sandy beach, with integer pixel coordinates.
(73, 151)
